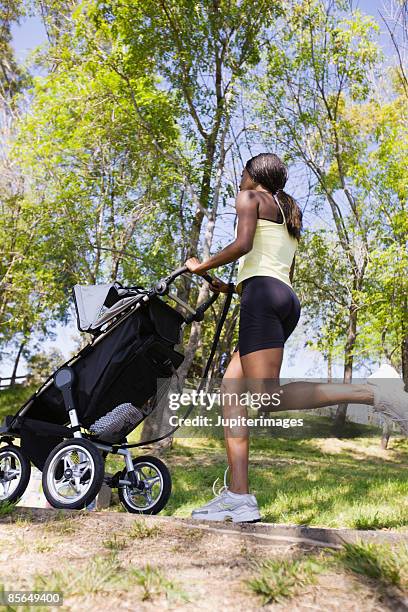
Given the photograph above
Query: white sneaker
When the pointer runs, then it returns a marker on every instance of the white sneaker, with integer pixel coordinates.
(390, 397)
(236, 507)
(229, 506)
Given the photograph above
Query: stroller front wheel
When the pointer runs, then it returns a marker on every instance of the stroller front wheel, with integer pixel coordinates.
(73, 474)
(154, 486)
(15, 472)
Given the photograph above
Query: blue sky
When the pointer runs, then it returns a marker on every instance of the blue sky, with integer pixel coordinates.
(31, 33)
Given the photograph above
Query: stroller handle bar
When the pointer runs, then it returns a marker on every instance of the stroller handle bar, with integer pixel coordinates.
(162, 288)
(163, 284)
(183, 270)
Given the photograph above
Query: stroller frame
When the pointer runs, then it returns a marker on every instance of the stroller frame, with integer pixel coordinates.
(89, 452)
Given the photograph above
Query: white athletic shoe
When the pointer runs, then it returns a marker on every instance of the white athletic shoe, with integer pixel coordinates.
(229, 506)
(390, 398)
(235, 507)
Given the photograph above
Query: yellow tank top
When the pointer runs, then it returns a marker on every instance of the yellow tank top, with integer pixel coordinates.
(272, 252)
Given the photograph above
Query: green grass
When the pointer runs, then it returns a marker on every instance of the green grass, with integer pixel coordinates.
(154, 583)
(387, 566)
(6, 508)
(278, 579)
(297, 483)
(314, 426)
(101, 574)
(63, 524)
(11, 399)
(115, 544)
(105, 574)
(141, 530)
(384, 518)
(7, 608)
(275, 580)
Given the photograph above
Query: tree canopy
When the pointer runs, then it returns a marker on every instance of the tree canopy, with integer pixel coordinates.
(122, 148)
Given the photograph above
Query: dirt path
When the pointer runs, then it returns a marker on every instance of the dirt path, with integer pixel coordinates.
(107, 561)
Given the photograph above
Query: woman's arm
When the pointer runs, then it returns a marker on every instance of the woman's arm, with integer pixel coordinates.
(247, 208)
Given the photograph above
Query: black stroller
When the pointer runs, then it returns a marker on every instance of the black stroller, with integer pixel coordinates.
(86, 409)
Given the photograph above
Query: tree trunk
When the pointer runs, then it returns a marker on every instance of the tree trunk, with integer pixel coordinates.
(184, 287)
(16, 363)
(203, 293)
(341, 413)
(157, 425)
(404, 345)
(329, 366)
(404, 359)
(386, 432)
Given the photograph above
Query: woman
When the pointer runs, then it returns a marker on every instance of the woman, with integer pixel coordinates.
(268, 231)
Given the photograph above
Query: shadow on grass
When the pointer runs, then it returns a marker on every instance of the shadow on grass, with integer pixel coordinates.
(299, 484)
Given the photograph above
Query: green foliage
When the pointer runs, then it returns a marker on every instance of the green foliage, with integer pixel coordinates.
(95, 186)
(123, 149)
(319, 98)
(42, 365)
(95, 160)
(119, 146)
(321, 283)
(12, 76)
(385, 316)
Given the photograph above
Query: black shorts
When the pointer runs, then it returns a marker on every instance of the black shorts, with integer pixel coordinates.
(269, 313)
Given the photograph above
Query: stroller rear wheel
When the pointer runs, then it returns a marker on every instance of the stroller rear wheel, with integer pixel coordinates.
(73, 474)
(15, 472)
(154, 488)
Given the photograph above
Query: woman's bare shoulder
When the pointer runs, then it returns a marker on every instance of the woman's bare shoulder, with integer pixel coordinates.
(246, 200)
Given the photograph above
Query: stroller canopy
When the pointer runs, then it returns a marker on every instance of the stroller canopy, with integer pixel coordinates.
(97, 304)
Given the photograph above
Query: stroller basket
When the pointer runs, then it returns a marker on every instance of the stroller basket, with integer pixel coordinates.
(118, 423)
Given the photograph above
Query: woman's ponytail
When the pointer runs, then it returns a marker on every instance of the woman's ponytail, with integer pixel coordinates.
(292, 211)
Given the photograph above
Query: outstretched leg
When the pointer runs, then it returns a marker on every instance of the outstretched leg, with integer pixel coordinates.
(386, 395)
(259, 368)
